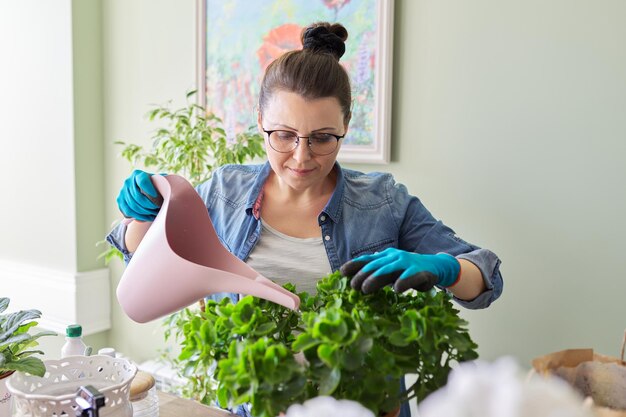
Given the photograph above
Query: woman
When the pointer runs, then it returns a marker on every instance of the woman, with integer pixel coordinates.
(300, 216)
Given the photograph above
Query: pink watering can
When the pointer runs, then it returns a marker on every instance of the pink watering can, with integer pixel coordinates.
(181, 260)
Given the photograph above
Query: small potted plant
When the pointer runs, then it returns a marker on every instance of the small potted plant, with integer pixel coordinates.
(15, 345)
(342, 343)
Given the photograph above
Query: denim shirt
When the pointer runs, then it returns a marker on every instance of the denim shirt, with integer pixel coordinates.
(366, 213)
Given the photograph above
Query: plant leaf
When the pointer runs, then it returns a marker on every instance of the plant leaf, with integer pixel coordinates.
(14, 321)
(304, 341)
(329, 381)
(4, 303)
(13, 340)
(31, 365)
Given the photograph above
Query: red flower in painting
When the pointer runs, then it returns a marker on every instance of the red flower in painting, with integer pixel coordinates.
(335, 4)
(278, 41)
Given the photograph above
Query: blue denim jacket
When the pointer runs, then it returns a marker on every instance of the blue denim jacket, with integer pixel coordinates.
(366, 213)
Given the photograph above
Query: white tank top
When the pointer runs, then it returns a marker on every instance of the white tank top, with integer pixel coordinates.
(284, 259)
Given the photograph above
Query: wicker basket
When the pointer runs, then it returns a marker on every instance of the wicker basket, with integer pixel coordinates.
(54, 394)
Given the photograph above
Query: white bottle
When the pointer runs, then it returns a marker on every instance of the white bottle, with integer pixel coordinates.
(74, 344)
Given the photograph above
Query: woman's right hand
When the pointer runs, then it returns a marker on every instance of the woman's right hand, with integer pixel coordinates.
(138, 199)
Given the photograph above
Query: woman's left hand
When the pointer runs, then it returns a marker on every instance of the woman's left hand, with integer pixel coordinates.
(404, 269)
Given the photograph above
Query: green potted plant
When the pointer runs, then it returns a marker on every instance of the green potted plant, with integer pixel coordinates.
(342, 343)
(15, 348)
(190, 142)
(15, 340)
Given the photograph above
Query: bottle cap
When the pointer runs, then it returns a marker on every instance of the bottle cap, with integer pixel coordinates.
(107, 351)
(74, 330)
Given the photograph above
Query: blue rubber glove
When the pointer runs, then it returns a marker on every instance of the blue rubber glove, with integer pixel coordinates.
(138, 198)
(405, 270)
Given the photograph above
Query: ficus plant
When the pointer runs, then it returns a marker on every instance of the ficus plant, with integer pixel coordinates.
(191, 142)
(16, 353)
(341, 343)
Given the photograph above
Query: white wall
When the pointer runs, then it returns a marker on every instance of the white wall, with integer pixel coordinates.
(52, 166)
(36, 139)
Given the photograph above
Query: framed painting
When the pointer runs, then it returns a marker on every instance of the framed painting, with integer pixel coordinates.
(237, 39)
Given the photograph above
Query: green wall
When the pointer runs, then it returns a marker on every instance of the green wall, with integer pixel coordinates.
(88, 131)
(148, 58)
(508, 123)
(88, 144)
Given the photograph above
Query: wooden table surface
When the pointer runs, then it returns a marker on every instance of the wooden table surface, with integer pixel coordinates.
(172, 406)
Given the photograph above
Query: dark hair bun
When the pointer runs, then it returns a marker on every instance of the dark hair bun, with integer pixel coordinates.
(325, 38)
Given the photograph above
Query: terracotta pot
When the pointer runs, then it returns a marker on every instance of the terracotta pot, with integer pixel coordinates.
(5, 396)
(392, 413)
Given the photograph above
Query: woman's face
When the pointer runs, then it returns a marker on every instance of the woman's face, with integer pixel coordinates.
(301, 169)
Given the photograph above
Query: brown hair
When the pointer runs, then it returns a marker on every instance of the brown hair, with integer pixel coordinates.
(313, 71)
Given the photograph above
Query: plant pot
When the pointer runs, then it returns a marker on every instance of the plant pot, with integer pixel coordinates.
(5, 396)
(392, 413)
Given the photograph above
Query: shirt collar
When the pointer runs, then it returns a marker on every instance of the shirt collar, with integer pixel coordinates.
(257, 187)
(333, 208)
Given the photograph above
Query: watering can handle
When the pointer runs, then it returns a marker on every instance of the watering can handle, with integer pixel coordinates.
(158, 200)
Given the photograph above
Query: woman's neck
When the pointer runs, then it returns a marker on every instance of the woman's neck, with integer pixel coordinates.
(311, 196)
(295, 212)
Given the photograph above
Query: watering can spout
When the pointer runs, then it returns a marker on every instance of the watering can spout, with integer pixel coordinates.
(181, 260)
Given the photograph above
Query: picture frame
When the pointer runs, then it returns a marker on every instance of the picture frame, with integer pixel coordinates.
(244, 37)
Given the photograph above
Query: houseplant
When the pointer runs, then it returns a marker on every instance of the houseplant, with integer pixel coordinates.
(190, 142)
(342, 343)
(15, 345)
(15, 340)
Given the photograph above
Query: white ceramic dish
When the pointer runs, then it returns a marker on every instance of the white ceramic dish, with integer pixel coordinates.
(54, 394)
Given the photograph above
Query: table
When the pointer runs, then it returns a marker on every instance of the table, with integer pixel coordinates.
(173, 406)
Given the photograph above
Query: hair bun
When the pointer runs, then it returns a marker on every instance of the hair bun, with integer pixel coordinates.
(325, 38)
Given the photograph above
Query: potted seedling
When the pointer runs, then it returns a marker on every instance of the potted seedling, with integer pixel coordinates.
(341, 343)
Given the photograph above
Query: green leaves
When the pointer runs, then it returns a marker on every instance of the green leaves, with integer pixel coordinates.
(342, 343)
(4, 303)
(33, 366)
(328, 354)
(262, 372)
(10, 323)
(331, 325)
(330, 378)
(192, 142)
(15, 340)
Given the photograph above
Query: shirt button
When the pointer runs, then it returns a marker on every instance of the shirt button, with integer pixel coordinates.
(327, 238)
(322, 218)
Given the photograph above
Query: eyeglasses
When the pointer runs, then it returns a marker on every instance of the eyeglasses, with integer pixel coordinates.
(320, 144)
